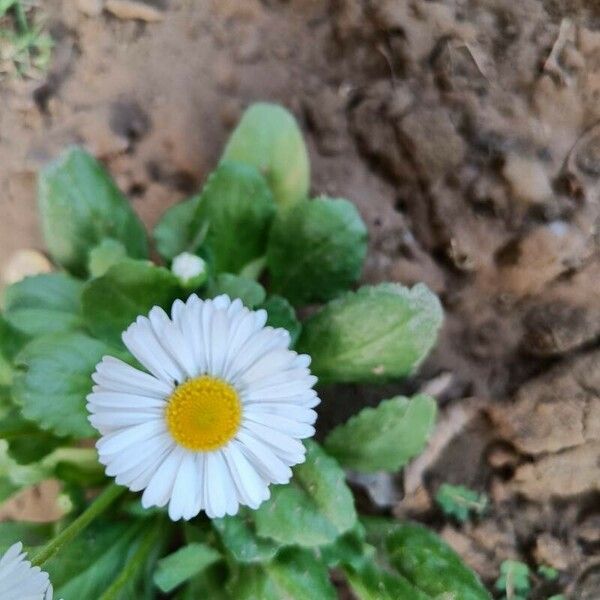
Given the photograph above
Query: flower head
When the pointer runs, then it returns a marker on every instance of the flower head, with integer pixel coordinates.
(19, 580)
(217, 418)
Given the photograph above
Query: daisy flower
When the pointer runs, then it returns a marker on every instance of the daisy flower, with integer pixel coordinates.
(217, 418)
(19, 580)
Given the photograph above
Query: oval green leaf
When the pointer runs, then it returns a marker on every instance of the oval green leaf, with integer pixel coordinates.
(268, 138)
(80, 205)
(375, 334)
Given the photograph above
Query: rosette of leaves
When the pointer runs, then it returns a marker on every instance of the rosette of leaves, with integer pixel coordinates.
(264, 239)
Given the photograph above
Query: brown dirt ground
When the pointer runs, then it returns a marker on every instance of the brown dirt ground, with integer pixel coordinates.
(468, 135)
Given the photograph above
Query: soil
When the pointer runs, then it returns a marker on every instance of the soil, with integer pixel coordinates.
(467, 134)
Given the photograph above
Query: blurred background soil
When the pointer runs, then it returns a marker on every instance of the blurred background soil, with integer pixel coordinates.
(468, 135)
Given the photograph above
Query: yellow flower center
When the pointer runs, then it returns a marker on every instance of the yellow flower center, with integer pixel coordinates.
(203, 413)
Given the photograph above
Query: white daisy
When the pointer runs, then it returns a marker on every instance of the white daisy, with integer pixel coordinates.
(19, 580)
(219, 416)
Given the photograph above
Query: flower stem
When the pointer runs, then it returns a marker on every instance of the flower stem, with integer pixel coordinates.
(95, 509)
(136, 562)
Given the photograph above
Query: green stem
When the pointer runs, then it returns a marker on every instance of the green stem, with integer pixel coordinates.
(147, 544)
(95, 509)
(21, 18)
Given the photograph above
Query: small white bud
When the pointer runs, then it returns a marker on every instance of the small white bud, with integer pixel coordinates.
(190, 269)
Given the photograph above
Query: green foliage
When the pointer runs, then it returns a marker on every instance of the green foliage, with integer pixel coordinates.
(268, 138)
(106, 254)
(459, 501)
(128, 289)
(234, 212)
(183, 564)
(249, 292)
(548, 573)
(371, 582)
(261, 240)
(378, 333)
(402, 425)
(31, 534)
(316, 250)
(514, 578)
(282, 314)
(431, 565)
(239, 538)
(25, 48)
(44, 304)
(27, 442)
(173, 234)
(11, 341)
(295, 574)
(80, 205)
(54, 380)
(86, 566)
(314, 509)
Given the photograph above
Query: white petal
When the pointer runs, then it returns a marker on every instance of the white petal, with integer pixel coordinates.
(219, 337)
(119, 440)
(183, 496)
(290, 427)
(267, 463)
(217, 482)
(270, 363)
(251, 488)
(283, 409)
(117, 376)
(287, 448)
(161, 485)
(119, 400)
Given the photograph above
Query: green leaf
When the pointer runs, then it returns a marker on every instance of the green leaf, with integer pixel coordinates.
(106, 254)
(14, 477)
(282, 314)
(11, 341)
(210, 584)
(431, 565)
(55, 380)
(44, 304)
(403, 427)
(239, 538)
(370, 582)
(349, 550)
(316, 250)
(235, 210)
(184, 564)
(375, 334)
(314, 509)
(459, 501)
(548, 573)
(173, 234)
(249, 292)
(294, 575)
(268, 138)
(80, 205)
(86, 566)
(27, 442)
(128, 289)
(31, 534)
(514, 577)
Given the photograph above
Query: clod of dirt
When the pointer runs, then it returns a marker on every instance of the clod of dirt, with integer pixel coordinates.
(563, 475)
(431, 139)
(24, 263)
(558, 326)
(551, 551)
(557, 410)
(131, 9)
(527, 179)
(91, 8)
(541, 256)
